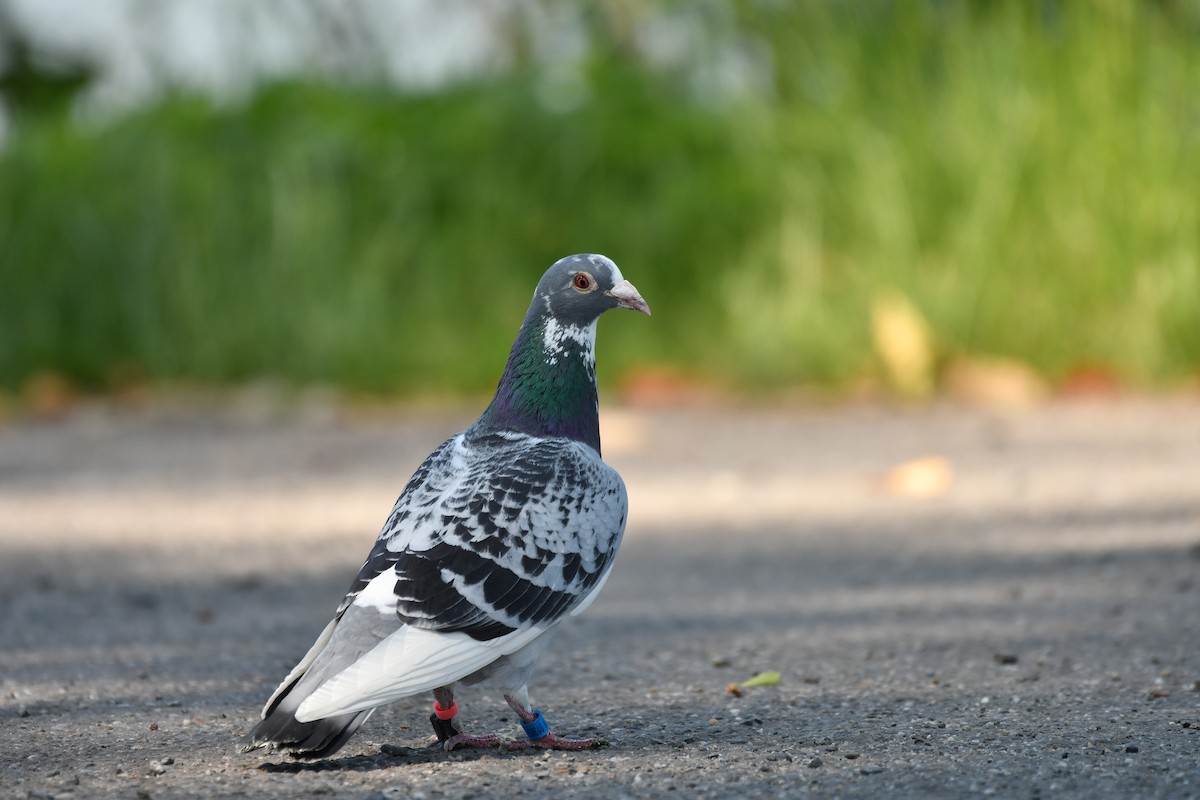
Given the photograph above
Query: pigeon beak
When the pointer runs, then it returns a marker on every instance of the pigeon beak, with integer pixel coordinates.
(628, 297)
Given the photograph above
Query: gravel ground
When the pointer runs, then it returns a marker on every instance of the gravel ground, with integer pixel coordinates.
(1031, 631)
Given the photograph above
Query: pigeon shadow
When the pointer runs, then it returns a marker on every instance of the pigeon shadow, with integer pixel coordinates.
(390, 756)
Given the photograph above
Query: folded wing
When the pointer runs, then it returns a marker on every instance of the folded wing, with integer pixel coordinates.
(495, 539)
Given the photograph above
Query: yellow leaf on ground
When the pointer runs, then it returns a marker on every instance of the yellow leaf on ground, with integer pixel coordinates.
(904, 344)
(929, 476)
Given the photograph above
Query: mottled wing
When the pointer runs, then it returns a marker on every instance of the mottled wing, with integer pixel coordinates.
(496, 538)
(521, 540)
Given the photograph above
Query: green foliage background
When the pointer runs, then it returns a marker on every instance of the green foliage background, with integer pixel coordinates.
(1028, 174)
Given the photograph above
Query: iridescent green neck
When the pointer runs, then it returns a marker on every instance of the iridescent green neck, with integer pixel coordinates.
(549, 384)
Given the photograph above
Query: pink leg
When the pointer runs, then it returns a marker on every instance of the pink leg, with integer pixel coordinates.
(548, 740)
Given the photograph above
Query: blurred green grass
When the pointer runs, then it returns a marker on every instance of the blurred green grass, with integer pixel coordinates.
(1026, 174)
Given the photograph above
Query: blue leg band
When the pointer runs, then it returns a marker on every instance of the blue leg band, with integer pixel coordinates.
(537, 728)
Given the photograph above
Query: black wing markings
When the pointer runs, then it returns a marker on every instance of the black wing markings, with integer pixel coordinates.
(485, 567)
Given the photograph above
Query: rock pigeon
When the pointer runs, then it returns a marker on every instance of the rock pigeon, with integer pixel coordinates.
(505, 530)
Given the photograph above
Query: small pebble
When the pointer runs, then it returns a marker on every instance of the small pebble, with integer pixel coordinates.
(157, 768)
(816, 762)
(1005, 658)
(1131, 748)
(851, 756)
(168, 761)
(870, 770)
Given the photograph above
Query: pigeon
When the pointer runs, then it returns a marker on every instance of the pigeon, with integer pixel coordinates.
(504, 531)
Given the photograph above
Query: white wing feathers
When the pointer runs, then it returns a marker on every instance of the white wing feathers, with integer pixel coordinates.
(407, 662)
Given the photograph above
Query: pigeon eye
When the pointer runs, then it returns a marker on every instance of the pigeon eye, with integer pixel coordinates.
(582, 282)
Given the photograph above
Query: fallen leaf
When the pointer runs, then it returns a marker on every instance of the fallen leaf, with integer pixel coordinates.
(1091, 380)
(929, 476)
(998, 383)
(763, 679)
(624, 431)
(48, 394)
(904, 343)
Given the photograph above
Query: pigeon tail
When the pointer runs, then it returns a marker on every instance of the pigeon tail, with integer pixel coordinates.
(279, 729)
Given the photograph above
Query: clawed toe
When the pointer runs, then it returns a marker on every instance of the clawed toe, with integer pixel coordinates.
(502, 743)
(554, 742)
(548, 742)
(468, 740)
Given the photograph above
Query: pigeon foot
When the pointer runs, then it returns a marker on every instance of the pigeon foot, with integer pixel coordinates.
(469, 740)
(537, 730)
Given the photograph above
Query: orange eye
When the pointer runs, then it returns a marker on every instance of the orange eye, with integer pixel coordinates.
(582, 282)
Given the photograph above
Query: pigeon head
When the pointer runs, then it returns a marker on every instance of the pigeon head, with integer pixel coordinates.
(549, 384)
(576, 290)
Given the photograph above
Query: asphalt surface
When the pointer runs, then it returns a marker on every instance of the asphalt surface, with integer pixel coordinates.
(1030, 630)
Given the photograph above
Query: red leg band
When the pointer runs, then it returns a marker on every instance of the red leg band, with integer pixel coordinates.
(445, 713)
